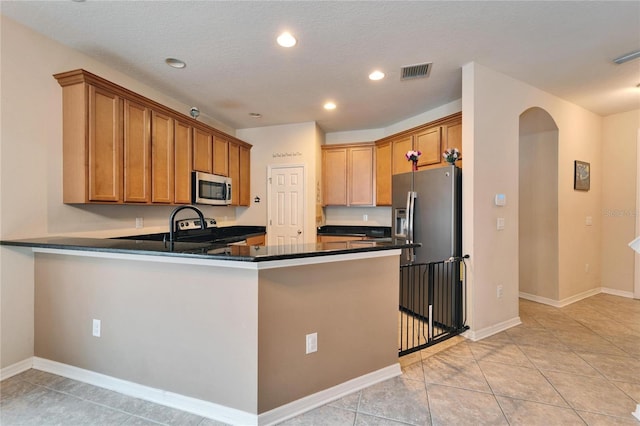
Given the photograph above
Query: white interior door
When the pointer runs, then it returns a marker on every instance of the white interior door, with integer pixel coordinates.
(285, 226)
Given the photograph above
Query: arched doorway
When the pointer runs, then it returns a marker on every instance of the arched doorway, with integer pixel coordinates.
(538, 206)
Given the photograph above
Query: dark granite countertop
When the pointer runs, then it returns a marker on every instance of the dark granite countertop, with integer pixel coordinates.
(206, 250)
(357, 231)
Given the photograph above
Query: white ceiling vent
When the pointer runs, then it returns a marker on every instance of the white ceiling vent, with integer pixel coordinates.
(410, 72)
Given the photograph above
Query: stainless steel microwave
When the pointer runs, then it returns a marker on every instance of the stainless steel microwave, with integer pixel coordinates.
(210, 189)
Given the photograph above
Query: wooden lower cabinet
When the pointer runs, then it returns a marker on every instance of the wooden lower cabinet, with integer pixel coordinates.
(256, 240)
(337, 238)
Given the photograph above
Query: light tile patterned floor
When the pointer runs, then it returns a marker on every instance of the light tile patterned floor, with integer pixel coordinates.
(572, 366)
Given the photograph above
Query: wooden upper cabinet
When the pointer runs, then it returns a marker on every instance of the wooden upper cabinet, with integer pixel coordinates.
(182, 161)
(220, 156)
(383, 173)
(104, 147)
(137, 181)
(120, 147)
(202, 151)
(234, 172)
(400, 147)
(348, 176)
(334, 173)
(428, 142)
(162, 170)
(245, 176)
(360, 170)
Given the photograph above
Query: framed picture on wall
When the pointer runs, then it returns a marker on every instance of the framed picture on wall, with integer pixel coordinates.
(581, 176)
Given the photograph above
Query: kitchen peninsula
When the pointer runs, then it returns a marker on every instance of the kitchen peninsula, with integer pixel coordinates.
(220, 333)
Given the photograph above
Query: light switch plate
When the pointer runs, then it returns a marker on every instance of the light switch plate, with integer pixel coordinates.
(500, 224)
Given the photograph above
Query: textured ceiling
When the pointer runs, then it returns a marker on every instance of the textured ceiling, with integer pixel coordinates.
(234, 66)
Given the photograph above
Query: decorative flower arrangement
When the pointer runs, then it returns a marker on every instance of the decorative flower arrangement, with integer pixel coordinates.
(451, 155)
(413, 157)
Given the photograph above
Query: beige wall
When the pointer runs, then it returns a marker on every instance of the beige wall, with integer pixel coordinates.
(31, 171)
(293, 144)
(234, 337)
(538, 214)
(196, 337)
(492, 104)
(353, 306)
(619, 211)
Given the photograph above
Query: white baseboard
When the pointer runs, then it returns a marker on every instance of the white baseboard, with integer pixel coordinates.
(310, 402)
(210, 409)
(615, 292)
(16, 368)
(170, 399)
(575, 298)
(476, 335)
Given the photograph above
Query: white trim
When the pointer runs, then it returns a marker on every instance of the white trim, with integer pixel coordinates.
(16, 368)
(169, 399)
(284, 263)
(209, 409)
(315, 400)
(476, 335)
(575, 298)
(615, 292)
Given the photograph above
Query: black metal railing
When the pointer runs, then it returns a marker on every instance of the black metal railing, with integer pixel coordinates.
(432, 303)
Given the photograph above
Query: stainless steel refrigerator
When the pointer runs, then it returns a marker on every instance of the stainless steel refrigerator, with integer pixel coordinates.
(427, 209)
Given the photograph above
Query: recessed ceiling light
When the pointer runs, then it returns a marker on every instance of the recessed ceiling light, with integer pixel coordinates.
(175, 63)
(376, 75)
(286, 40)
(330, 106)
(255, 115)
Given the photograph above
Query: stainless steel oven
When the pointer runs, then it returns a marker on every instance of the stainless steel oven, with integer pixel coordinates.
(210, 189)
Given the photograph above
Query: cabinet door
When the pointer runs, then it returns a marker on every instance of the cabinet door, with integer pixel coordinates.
(136, 153)
(202, 151)
(220, 156)
(399, 149)
(183, 158)
(105, 146)
(361, 176)
(245, 176)
(162, 180)
(334, 167)
(428, 142)
(383, 174)
(234, 172)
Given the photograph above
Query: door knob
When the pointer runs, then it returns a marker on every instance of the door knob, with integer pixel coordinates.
(299, 232)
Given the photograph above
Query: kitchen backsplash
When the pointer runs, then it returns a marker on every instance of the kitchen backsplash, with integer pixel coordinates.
(360, 216)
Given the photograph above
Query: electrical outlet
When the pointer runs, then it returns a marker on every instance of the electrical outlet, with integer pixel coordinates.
(588, 221)
(500, 224)
(499, 291)
(139, 222)
(586, 268)
(365, 217)
(312, 343)
(96, 327)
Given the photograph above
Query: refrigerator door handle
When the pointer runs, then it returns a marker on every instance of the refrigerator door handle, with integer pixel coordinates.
(411, 204)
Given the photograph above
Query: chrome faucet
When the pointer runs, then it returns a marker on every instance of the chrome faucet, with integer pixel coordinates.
(172, 221)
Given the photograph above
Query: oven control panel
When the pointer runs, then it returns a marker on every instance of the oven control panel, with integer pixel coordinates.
(194, 223)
